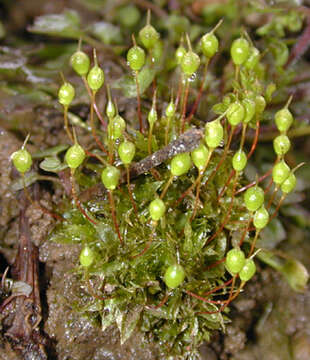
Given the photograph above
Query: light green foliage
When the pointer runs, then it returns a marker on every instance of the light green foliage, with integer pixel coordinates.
(195, 221)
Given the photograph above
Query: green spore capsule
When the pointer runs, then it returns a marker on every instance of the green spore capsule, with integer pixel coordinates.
(95, 78)
(157, 209)
(250, 109)
(240, 51)
(136, 58)
(260, 104)
(116, 127)
(128, 15)
(261, 218)
(148, 36)
(234, 261)
(200, 156)
(174, 276)
(280, 172)
(152, 116)
(180, 164)
(80, 63)
(126, 152)
(170, 109)
(66, 94)
(235, 113)
(214, 134)
(110, 109)
(248, 270)
(254, 198)
(75, 155)
(281, 144)
(239, 160)
(22, 160)
(179, 54)
(190, 63)
(253, 58)
(284, 119)
(289, 184)
(87, 256)
(110, 177)
(209, 45)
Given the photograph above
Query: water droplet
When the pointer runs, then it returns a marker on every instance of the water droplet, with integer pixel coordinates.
(193, 77)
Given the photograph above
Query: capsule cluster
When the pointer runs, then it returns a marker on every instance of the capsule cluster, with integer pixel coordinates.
(192, 170)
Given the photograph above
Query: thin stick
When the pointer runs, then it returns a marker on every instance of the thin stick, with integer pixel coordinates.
(223, 157)
(244, 127)
(253, 183)
(216, 263)
(43, 208)
(218, 287)
(246, 230)
(92, 125)
(184, 106)
(149, 141)
(100, 158)
(204, 299)
(139, 102)
(66, 123)
(231, 175)
(226, 219)
(197, 101)
(149, 243)
(278, 207)
(3, 287)
(112, 205)
(272, 197)
(226, 304)
(186, 192)
(254, 144)
(162, 303)
(254, 242)
(167, 130)
(199, 183)
(77, 201)
(130, 193)
(100, 117)
(179, 92)
(162, 195)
